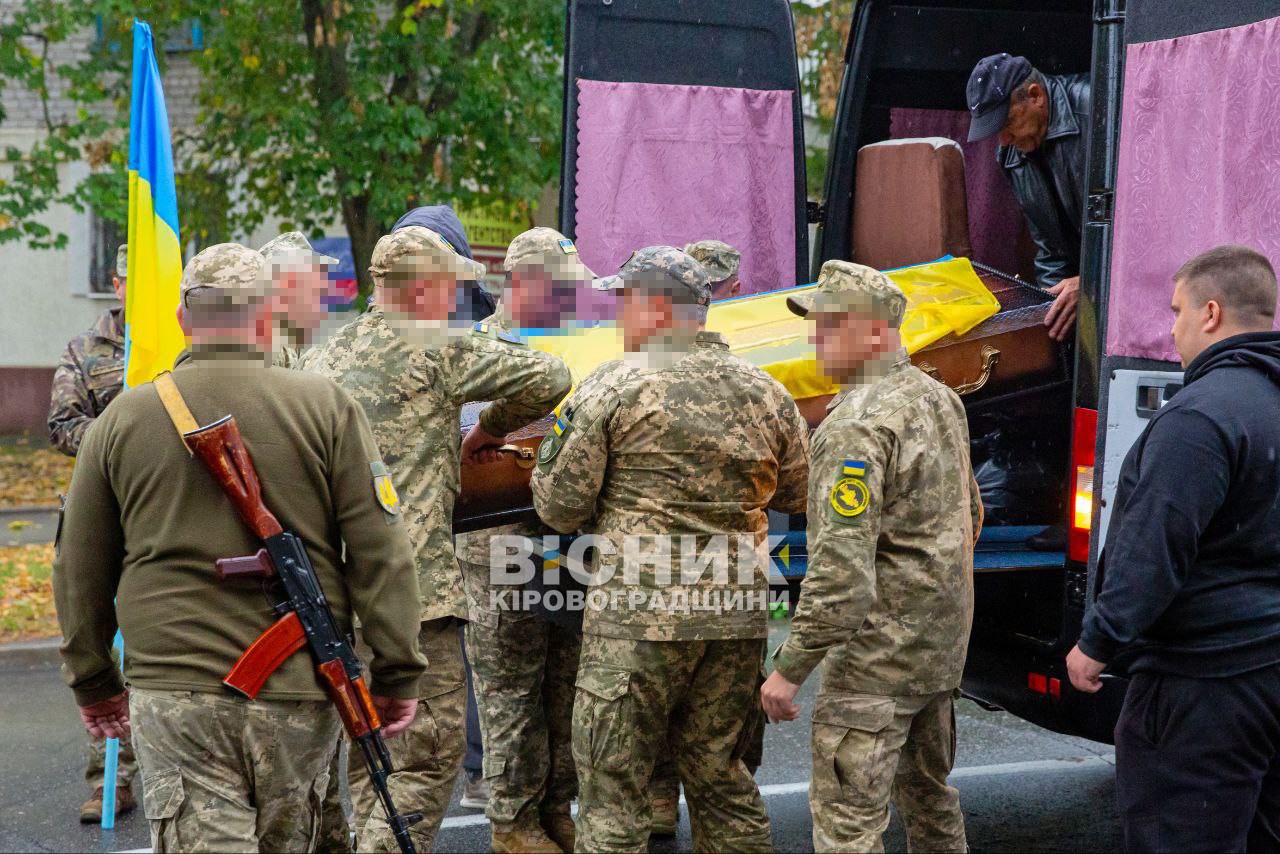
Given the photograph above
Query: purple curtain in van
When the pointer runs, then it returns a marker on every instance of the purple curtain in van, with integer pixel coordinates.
(673, 164)
(1199, 166)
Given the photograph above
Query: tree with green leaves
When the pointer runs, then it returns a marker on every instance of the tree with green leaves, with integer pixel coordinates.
(310, 112)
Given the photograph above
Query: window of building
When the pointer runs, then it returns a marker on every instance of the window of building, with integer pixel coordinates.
(105, 238)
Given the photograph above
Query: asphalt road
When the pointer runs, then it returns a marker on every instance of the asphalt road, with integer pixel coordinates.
(1022, 788)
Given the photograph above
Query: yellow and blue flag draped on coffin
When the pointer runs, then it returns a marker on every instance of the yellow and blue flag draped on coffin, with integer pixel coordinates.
(152, 337)
(943, 297)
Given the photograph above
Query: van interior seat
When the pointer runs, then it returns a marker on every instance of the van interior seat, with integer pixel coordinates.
(910, 204)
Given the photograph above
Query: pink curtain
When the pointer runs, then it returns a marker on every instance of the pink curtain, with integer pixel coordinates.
(1199, 166)
(672, 164)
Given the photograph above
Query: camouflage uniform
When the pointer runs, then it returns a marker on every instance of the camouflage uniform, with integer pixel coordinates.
(284, 746)
(89, 376)
(523, 664)
(143, 526)
(413, 397)
(720, 260)
(888, 598)
(699, 447)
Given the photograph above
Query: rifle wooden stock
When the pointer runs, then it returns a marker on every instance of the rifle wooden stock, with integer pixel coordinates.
(265, 655)
(221, 448)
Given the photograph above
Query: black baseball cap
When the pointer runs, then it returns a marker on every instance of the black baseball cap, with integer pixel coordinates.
(992, 82)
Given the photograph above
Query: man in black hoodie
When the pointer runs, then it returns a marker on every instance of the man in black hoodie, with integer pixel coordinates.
(1190, 598)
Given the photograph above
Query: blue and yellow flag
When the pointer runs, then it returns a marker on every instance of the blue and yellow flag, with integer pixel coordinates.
(152, 337)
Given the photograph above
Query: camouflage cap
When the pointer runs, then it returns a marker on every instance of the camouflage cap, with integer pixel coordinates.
(658, 267)
(122, 260)
(550, 250)
(720, 260)
(293, 244)
(844, 286)
(414, 250)
(237, 272)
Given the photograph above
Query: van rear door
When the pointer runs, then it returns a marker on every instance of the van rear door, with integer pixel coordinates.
(682, 121)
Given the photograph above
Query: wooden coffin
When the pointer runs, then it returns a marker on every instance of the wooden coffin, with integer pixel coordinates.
(1008, 355)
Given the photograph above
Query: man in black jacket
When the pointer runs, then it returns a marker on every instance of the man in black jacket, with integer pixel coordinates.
(1190, 598)
(1042, 121)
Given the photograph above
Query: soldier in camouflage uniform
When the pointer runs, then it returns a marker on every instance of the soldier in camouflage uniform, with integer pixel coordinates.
(91, 371)
(721, 261)
(89, 376)
(412, 367)
(682, 445)
(894, 513)
(143, 527)
(298, 281)
(524, 665)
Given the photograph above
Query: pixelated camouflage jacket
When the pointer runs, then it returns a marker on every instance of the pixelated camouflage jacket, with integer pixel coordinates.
(701, 447)
(89, 376)
(413, 398)
(894, 513)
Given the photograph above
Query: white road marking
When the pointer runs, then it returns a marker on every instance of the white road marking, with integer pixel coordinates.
(1002, 769)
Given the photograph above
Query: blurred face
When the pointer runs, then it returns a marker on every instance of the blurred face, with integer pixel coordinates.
(217, 327)
(1194, 325)
(1028, 121)
(643, 315)
(536, 300)
(118, 285)
(846, 341)
(727, 288)
(424, 296)
(297, 296)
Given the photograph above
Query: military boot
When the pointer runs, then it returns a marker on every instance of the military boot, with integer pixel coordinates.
(524, 840)
(91, 810)
(560, 827)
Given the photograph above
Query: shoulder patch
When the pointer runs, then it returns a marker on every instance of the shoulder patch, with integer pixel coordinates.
(554, 440)
(509, 337)
(383, 489)
(850, 497)
(567, 247)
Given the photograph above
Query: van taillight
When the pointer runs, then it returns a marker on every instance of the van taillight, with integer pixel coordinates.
(1083, 439)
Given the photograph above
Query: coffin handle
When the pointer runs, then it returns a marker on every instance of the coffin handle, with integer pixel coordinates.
(990, 355)
(525, 457)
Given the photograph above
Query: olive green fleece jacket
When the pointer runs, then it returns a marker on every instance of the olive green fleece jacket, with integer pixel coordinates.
(144, 523)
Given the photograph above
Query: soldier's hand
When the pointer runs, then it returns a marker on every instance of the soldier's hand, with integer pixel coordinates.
(396, 714)
(107, 718)
(777, 695)
(481, 447)
(1084, 671)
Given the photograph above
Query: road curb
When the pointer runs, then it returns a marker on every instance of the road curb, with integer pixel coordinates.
(28, 509)
(32, 653)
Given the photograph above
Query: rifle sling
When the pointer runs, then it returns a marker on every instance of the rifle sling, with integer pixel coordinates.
(175, 406)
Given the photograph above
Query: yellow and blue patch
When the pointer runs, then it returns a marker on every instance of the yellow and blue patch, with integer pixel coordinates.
(560, 426)
(567, 247)
(854, 468)
(850, 497)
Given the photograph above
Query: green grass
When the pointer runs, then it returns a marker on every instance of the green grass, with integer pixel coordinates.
(26, 595)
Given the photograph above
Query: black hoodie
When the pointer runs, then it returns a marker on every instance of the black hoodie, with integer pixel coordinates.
(1191, 566)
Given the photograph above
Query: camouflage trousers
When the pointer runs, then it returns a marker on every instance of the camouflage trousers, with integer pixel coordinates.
(524, 669)
(223, 773)
(427, 756)
(666, 782)
(869, 750)
(690, 698)
(96, 766)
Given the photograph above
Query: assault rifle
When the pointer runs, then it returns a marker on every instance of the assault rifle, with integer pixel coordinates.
(305, 616)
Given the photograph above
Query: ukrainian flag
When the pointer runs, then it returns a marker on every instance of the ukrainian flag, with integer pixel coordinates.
(855, 468)
(152, 337)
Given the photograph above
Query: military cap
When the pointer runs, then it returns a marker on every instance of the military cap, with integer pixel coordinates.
(122, 260)
(550, 250)
(293, 244)
(844, 286)
(415, 249)
(720, 260)
(660, 267)
(236, 272)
